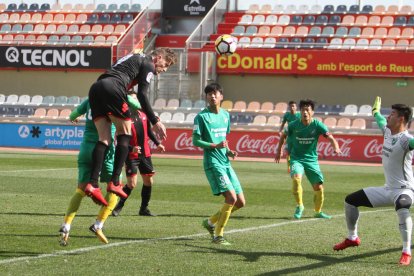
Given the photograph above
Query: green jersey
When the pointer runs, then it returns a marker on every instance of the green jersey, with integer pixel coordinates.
(213, 128)
(90, 134)
(304, 139)
(289, 117)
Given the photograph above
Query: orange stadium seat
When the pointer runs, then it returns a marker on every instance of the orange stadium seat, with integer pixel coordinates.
(330, 122)
(348, 20)
(240, 106)
(302, 31)
(59, 18)
(96, 29)
(265, 9)
(264, 30)
(392, 9)
(381, 32)
(276, 31)
(289, 31)
(344, 123)
(14, 18)
(39, 113)
(394, 32)
(173, 104)
(108, 29)
(358, 123)
(50, 28)
(78, 7)
(280, 107)
(85, 29)
(25, 17)
(47, 18)
(52, 113)
(407, 33)
(111, 39)
(62, 29)
(387, 21)
(367, 32)
(119, 29)
(374, 20)
(30, 39)
(253, 8)
(19, 39)
(379, 9)
(267, 107)
(81, 18)
(388, 44)
(41, 39)
(402, 44)
(64, 113)
(361, 20)
(160, 103)
(67, 7)
(260, 120)
(70, 18)
(36, 18)
(406, 9)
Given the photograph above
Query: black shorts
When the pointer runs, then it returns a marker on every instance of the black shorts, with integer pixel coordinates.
(108, 97)
(143, 164)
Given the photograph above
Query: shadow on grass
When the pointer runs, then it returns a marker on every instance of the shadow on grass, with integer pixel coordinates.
(324, 260)
(44, 214)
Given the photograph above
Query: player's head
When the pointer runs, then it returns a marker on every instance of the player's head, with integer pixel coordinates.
(400, 113)
(163, 58)
(306, 109)
(292, 106)
(214, 93)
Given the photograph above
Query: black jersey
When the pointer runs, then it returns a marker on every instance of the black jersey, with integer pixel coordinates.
(131, 70)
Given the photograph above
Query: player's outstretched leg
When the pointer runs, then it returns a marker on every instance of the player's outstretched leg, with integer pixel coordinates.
(298, 211)
(98, 232)
(95, 194)
(347, 243)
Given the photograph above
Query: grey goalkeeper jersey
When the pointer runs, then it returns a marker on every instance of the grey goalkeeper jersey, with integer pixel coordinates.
(397, 158)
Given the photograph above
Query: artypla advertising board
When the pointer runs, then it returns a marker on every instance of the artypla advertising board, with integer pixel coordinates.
(55, 57)
(41, 136)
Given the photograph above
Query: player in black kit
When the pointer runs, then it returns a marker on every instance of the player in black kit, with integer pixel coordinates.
(108, 102)
(141, 134)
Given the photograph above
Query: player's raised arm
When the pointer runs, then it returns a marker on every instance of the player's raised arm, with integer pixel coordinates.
(376, 112)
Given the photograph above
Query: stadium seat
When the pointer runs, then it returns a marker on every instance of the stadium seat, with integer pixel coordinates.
(381, 32)
(410, 21)
(92, 18)
(48, 100)
(186, 104)
(358, 123)
(61, 100)
(343, 123)
(239, 106)
(315, 31)
(259, 120)
(335, 43)
(289, 31)
(303, 9)
(90, 7)
(112, 7)
(328, 9)
(99, 40)
(160, 103)
(367, 32)
(52, 113)
(26, 111)
(334, 20)
(39, 113)
(136, 7)
(273, 120)
(374, 20)
(309, 20)
(387, 21)
(124, 7)
(62, 29)
(227, 104)
(362, 44)
(400, 21)
(367, 9)
(258, 19)
(251, 30)
(328, 31)
(85, 29)
(11, 7)
(308, 43)
(127, 18)
(19, 39)
(81, 18)
(36, 100)
(16, 28)
(361, 20)
(111, 39)
(276, 31)
(23, 100)
(264, 30)
(12, 99)
(244, 42)
(348, 43)
(290, 9)
(199, 104)
(284, 20)
(41, 39)
(330, 122)
(365, 110)
(341, 32)
(22, 7)
(104, 18)
(296, 20)
(388, 44)
(101, 7)
(282, 42)
(2, 98)
(280, 107)
(315, 9)
(392, 9)
(45, 7)
(402, 44)
(76, 39)
(354, 9)
(165, 116)
(267, 107)
(253, 106)
(78, 7)
(375, 44)
(350, 110)
(394, 32)
(96, 29)
(271, 19)
(13, 111)
(336, 109)
(265, 9)
(244, 119)
(73, 100)
(119, 29)
(341, 9)
(178, 117)
(295, 42)
(322, 109)
(116, 18)
(348, 20)
(302, 31)
(407, 33)
(3, 111)
(190, 118)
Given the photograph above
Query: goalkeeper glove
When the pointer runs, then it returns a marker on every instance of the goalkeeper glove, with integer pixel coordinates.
(377, 105)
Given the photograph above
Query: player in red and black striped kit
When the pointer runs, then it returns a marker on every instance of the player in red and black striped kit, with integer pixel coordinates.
(141, 134)
(108, 102)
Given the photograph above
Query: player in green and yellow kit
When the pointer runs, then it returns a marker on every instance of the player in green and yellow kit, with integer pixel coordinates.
(304, 135)
(211, 127)
(291, 115)
(90, 137)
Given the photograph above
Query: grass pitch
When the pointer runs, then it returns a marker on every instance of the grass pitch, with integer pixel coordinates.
(35, 190)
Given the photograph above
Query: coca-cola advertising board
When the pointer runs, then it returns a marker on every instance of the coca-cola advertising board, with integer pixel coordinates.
(355, 148)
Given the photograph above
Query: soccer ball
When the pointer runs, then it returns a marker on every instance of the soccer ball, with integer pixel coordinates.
(225, 45)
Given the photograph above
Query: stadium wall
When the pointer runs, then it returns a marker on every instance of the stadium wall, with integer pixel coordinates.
(56, 83)
(326, 90)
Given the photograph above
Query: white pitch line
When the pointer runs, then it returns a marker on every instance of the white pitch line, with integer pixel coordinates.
(91, 248)
(43, 170)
